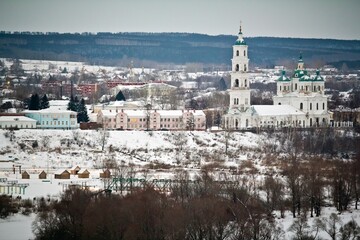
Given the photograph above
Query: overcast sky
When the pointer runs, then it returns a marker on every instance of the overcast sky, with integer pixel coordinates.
(338, 19)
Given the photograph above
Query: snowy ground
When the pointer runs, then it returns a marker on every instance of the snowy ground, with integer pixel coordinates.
(59, 150)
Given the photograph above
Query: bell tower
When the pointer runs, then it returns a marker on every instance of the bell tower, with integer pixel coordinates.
(240, 86)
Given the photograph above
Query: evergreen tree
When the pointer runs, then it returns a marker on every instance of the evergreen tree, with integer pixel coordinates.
(34, 102)
(44, 102)
(120, 96)
(16, 68)
(82, 112)
(222, 85)
(72, 104)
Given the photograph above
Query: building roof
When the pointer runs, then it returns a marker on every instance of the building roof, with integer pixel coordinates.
(108, 113)
(135, 113)
(283, 77)
(50, 110)
(16, 119)
(276, 110)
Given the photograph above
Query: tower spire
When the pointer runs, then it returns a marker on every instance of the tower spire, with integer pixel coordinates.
(240, 30)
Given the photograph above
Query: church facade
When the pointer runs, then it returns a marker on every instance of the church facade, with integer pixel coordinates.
(300, 99)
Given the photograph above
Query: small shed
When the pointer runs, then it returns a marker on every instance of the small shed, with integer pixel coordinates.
(63, 174)
(42, 175)
(25, 175)
(75, 170)
(84, 174)
(105, 174)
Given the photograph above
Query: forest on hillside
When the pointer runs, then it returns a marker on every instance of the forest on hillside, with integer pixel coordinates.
(149, 49)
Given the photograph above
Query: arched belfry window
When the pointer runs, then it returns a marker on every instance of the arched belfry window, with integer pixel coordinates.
(237, 67)
(237, 53)
(236, 83)
(301, 106)
(245, 82)
(244, 53)
(245, 68)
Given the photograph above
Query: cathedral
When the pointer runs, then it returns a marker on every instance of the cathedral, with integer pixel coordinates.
(300, 100)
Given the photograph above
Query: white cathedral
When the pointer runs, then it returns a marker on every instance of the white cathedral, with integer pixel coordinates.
(300, 99)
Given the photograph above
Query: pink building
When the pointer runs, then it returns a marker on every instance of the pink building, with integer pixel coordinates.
(152, 119)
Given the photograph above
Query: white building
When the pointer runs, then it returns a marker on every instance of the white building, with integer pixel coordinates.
(300, 100)
(16, 122)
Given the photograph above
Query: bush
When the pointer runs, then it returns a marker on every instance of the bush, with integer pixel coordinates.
(7, 206)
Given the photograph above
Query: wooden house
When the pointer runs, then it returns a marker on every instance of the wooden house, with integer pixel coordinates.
(105, 174)
(42, 175)
(25, 175)
(63, 174)
(84, 174)
(75, 170)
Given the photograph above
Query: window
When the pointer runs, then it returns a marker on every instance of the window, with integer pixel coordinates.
(237, 53)
(245, 68)
(306, 88)
(236, 83)
(323, 106)
(279, 103)
(301, 106)
(310, 106)
(244, 53)
(317, 106)
(245, 82)
(237, 67)
(280, 88)
(295, 86)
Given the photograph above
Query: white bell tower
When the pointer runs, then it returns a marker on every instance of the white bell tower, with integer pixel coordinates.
(240, 86)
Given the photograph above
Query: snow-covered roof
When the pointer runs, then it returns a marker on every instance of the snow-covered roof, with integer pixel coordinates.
(276, 110)
(198, 113)
(49, 110)
(16, 119)
(108, 113)
(135, 113)
(170, 113)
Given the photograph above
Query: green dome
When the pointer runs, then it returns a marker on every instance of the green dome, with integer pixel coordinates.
(318, 77)
(283, 78)
(299, 73)
(240, 42)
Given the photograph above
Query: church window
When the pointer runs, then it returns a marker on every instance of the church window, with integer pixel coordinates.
(310, 106)
(245, 68)
(237, 53)
(237, 101)
(310, 122)
(247, 122)
(244, 53)
(319, 88)
(301, 106)
(314, 88)
(237, 67)
(306, 88)
(323, 106)
(280, 88)
(295, 86)
(245, 82)
(317, 106)
(236, 83)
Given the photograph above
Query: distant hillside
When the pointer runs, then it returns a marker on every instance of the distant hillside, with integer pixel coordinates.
(176, 48)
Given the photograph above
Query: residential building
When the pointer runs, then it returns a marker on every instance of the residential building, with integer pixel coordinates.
(51, 118)
(16, 122)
